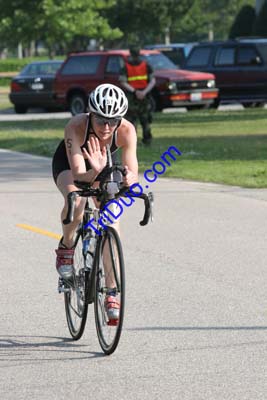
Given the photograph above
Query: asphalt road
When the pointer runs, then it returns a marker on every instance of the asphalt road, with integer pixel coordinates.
(196, 312)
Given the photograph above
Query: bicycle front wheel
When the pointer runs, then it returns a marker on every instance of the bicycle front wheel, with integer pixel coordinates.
(75, 297)
(110, 278)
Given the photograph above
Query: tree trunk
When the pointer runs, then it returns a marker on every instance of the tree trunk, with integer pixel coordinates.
(20, 51)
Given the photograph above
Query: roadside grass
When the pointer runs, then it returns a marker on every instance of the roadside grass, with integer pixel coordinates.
(34, 137)
(227, 147)
(4, 100)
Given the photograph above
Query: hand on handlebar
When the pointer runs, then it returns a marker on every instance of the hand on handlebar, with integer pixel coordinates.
(129, 177)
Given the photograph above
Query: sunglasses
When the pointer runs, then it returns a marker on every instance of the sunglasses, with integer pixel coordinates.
(103, 121)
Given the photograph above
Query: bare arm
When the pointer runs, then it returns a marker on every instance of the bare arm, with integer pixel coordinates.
(126, 86)
(149, 86)
(74, 136)
(127, 141)
(140, 94)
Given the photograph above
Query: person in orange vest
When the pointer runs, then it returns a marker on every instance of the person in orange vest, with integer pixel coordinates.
(137, 79)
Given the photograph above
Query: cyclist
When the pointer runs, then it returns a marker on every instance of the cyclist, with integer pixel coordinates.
(82, 156)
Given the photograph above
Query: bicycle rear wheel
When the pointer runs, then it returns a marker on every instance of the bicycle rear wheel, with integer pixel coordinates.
(75, 298)
(109, 275)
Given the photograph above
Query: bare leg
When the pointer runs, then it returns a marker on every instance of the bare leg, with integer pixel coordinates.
(65, 185)
(107, 262)
(110, 279)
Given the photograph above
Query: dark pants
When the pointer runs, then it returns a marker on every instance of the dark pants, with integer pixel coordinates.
(140, 110)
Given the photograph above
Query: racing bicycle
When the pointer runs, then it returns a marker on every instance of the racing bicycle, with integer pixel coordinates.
(98, 260)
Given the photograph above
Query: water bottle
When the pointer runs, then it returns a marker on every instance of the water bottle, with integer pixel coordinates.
(88, 251)
(89, 261)
(85, 246)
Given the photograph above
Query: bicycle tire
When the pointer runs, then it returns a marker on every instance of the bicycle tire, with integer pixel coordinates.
(76, 306)
(109, 335)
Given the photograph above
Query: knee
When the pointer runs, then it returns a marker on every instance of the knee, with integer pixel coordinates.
(79, 208)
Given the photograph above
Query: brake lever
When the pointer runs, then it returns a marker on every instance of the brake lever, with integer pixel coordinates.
(149, 201)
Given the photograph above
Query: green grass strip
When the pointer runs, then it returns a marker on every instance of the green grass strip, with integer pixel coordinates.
(218, 146)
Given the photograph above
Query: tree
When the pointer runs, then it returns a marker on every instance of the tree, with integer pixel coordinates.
(56, 22)
(243, 24)
(17, 21)
(185, 20)
(260, 25)
(146, 20)
(209, 15)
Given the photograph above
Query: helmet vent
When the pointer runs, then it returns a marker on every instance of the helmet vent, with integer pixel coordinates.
(109, 101)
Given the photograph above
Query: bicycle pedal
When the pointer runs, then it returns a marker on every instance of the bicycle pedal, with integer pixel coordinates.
(61, 287)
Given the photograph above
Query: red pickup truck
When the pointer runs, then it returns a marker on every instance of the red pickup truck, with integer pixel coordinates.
(82, 72)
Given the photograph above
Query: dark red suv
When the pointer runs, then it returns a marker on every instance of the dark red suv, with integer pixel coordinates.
(82, 72)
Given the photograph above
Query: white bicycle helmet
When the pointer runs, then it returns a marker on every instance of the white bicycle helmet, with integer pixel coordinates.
(108, 100)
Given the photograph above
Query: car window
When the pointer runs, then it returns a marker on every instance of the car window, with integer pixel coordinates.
(199, 57)
(114, 65)
(41, 69)
(248, 56)
(262, 48)
(176, 55)
(49, 68)
(81, 65)
(225, 56)
(159, 61)
(31, 69)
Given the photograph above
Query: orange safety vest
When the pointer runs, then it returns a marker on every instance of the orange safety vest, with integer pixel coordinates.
(137, 75)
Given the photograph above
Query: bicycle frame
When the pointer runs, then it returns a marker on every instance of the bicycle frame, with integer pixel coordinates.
(88, 233)
(100, 264)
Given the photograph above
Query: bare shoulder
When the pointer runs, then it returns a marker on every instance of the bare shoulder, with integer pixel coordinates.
(76, 125)
(126, 133)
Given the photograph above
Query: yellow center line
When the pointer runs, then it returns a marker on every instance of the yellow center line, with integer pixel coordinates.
(38, 230)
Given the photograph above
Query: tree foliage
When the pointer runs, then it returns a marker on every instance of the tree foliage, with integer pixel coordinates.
(146, 20)
(243, 24)
(210, 17)
(18, 20)
(69, 25)
(260, 24)
(56, 22)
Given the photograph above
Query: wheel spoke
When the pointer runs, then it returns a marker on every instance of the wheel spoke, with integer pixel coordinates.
(114, 263)
(75, 305)
(110, 281)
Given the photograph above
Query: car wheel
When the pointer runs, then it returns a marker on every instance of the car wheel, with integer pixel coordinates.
(259, 104)
(249, 105)
(154, 103)
(77, 104)
(254, 104)
(20, 109)
(215, 104)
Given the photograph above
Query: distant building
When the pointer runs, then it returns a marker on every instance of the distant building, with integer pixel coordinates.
(258, 5)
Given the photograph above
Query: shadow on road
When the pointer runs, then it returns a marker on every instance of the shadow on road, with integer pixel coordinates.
(48, 344)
